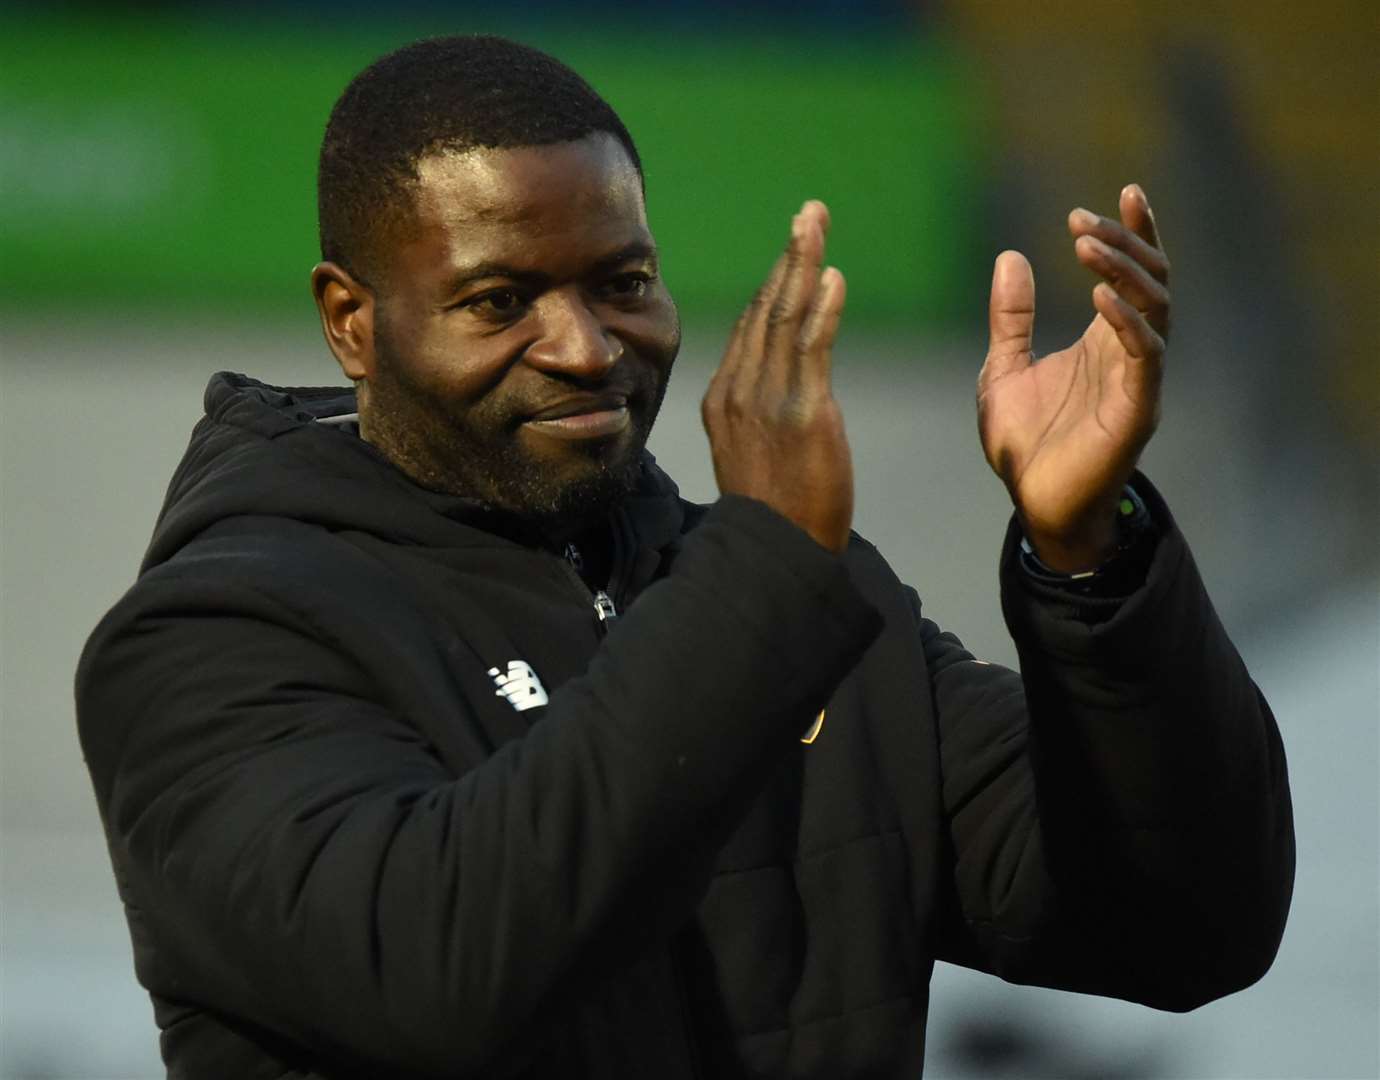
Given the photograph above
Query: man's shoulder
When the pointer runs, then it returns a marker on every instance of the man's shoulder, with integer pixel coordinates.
(249, 576)
(266, 567)
(249, 548)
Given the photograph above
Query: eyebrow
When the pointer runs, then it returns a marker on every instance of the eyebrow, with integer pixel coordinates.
(637, 250)
(465, 275)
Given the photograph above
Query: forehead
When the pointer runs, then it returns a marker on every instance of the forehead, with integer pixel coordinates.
(510, 184)
(570, 191)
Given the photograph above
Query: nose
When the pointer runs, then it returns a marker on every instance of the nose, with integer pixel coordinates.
(571, 340)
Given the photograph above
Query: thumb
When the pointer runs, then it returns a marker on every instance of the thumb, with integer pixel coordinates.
(1011, 315)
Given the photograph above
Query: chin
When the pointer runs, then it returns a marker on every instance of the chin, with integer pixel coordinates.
(584, 489)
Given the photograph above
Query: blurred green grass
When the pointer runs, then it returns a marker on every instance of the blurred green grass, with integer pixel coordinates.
(169, 166)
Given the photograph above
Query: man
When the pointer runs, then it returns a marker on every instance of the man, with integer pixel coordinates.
(440, 738)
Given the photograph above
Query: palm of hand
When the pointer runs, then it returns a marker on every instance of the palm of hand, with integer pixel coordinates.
(1064, 433)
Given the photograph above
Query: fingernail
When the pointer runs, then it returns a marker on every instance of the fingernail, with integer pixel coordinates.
(1086, 218)
(797, 226)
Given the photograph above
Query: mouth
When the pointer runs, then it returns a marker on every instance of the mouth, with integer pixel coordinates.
(588, 416)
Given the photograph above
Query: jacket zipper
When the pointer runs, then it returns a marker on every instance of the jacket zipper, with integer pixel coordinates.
(624, 545)
(607, 612)
(604, 608)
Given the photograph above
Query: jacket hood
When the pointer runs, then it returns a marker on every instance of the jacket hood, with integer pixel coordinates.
(295, 452)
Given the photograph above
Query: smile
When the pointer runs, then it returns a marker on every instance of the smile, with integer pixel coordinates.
(599, 423)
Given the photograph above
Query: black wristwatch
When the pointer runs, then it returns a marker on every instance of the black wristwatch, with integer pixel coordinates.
(1121, 573)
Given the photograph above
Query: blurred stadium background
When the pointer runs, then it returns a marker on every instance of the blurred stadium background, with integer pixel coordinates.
(157, 224)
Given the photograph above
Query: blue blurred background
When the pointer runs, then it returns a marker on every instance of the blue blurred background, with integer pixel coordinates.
(157, 223)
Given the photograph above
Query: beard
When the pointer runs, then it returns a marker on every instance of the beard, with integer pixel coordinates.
(475, 448)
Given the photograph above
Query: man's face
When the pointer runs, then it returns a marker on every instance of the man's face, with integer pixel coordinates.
(522, 334)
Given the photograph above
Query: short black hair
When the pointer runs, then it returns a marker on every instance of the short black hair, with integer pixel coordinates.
(450, 93)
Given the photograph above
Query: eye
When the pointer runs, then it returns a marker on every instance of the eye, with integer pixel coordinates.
(630, 286)
(501, 304)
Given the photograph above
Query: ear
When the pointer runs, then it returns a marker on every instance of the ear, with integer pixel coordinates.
(346, 306)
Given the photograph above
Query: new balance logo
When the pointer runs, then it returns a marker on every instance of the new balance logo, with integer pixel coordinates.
(519, 685)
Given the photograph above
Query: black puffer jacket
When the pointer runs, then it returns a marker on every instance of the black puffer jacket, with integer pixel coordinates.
(344, 850)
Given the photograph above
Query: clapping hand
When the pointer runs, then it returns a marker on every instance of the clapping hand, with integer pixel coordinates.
(775, 429)
(1064, 432)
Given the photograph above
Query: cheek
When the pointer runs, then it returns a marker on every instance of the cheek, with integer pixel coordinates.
(448, 365)
(657, 331)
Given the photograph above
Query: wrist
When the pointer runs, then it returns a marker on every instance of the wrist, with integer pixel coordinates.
(1133, 540)
(1080, 551)
(1075, 559)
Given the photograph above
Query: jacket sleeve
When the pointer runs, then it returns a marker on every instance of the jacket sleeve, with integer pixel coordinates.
(293, 855)
(1118, 814)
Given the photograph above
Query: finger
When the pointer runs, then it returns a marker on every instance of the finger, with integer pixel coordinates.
(741, 367)
(736, 338)
(819, 331)
(1137, 216)
(722, 379)
(1011, 316)
(1122, 237)
(1137, 336)
(1131, 281)
(748, 352)
(745, 341)
(787, 313)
